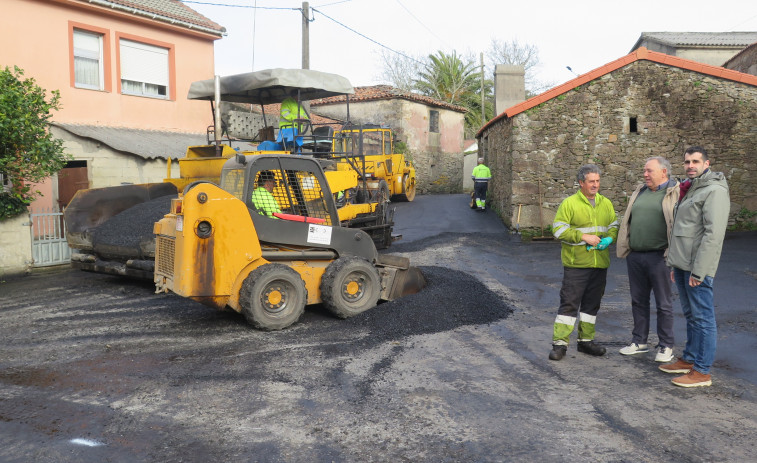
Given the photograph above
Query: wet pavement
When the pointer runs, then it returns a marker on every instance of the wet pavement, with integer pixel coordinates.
(96, 368)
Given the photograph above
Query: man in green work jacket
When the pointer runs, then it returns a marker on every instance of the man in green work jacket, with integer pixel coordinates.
(586, 224)
(262, 197)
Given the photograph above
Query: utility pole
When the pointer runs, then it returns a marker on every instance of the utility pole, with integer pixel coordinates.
(483, 100)
(305, 35)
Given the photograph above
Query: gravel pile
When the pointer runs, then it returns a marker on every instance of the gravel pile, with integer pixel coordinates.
(132, 226)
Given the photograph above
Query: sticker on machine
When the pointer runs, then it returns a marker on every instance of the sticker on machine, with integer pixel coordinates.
(319, 234)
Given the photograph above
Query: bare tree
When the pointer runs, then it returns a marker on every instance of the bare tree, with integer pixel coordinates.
(401, 70)
(515, 53)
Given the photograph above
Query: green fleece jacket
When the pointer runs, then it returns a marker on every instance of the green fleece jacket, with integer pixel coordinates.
(701, 218)
(577, 216)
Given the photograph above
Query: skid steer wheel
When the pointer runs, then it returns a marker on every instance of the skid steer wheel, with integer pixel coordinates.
(349, 286)
(272, 297)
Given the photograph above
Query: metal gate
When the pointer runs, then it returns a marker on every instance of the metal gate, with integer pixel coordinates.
(49, 246)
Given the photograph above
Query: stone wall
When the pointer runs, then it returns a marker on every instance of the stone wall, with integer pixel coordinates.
(617, 121)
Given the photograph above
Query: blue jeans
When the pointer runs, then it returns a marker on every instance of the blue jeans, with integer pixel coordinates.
(701, 329)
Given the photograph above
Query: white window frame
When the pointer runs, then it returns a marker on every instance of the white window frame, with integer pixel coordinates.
(145, 69)
(89, 46)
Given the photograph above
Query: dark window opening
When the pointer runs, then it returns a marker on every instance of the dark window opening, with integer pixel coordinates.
(633, 126)
(433, 120)
(72, 164)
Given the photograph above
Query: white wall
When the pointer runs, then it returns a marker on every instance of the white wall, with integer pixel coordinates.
(15, 245)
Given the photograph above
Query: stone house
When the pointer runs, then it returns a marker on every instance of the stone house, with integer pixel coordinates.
(432, 130)
(123, 69)
(744, 61)
(644, 104)
(713, 48)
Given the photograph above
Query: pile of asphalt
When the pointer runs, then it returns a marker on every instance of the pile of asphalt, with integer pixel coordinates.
(451, 299)
(130, 229)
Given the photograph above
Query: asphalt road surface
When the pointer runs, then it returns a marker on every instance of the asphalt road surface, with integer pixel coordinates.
(94, 368)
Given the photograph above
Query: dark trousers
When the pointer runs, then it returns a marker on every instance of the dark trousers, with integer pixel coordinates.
(647, 273)
(580, 296)
(479, 190)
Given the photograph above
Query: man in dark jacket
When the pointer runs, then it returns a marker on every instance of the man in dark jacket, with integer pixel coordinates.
(701, 218)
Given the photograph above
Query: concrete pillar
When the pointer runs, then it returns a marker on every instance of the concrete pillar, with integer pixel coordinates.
(509, 86)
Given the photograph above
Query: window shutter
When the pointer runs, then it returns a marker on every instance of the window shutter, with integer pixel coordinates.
(144, 63)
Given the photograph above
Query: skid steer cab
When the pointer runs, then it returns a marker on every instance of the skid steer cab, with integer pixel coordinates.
(268, 241)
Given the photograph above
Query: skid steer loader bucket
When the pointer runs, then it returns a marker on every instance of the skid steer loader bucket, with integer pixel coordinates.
(400, 279)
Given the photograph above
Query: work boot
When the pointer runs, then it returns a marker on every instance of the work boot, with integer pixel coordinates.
(679, 366)
(591, 348)
(558, 352)
(693, 379)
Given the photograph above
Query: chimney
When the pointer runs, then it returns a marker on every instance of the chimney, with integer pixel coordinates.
(509, 86)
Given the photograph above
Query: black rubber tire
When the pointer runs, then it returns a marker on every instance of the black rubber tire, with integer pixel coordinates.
(350, 286)
(381, 195)
(273, 296)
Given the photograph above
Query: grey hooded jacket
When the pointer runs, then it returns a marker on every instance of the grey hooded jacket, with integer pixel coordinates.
(701, 218)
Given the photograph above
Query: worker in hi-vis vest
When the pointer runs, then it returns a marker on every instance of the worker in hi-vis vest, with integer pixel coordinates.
(290, 112)
(481, 175)
(262, 197)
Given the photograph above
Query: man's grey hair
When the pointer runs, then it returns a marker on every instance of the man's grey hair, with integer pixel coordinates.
(587, 169)
(480, 160)
(664, 163)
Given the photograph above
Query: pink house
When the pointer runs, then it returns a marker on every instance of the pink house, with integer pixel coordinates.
(123, 69)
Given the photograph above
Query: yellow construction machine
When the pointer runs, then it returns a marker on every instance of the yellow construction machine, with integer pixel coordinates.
(227, 246)
(369, 150)
(110, 229)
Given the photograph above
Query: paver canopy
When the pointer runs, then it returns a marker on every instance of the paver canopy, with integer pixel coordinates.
(272, 86)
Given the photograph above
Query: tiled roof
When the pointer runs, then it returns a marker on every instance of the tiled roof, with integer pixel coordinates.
(702, 39)
(387, 92)
(640, 54)
(169, 11)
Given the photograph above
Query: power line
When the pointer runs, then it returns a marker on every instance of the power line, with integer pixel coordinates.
(239, 6)
(366, 37)
(333, 3)
(421, 23)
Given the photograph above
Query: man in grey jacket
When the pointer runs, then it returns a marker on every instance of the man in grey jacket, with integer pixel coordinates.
(643, 241)
(701, 218)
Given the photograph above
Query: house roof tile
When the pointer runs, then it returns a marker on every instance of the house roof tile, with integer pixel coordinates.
(387, 92)
(170, 11)
(639, 54)
(703, 39)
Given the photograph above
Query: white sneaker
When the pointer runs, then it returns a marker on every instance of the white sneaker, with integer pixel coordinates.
(664, 354)
(635, 349)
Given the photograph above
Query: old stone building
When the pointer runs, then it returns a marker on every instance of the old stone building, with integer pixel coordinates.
(432, 130)
(644, 104)
(744, 61)
(713, 48)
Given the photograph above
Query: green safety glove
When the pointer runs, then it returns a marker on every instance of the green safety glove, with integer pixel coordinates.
(604, 242)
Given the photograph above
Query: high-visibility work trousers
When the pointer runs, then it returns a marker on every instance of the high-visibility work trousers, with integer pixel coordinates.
(580, 296)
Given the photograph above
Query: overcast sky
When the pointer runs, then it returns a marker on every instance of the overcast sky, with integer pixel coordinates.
(347, 36)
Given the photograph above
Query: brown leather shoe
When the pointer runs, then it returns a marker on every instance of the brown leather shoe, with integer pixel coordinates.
(693, 379)
(679, 366)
